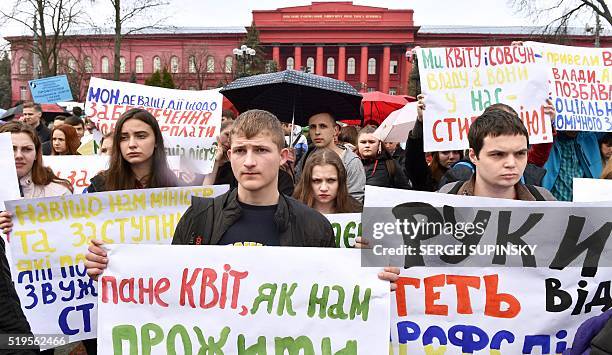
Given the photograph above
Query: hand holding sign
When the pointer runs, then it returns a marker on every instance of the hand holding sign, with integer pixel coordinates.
(420, 107)
(96, 259)
(390, 273)
(6, 222)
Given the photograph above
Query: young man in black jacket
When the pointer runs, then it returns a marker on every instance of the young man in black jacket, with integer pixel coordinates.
(254, 213)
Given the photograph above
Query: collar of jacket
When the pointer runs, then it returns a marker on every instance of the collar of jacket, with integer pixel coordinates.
(522, 193)
(231, 211)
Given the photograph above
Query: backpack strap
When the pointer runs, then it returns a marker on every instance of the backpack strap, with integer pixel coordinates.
(534, 191)
(466, 164)
(295, 140)
(456, 187)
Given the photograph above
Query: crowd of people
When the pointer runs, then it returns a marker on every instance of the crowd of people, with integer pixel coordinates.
(282, 182)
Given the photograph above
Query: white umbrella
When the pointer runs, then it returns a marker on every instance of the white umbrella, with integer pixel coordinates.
(397, 126)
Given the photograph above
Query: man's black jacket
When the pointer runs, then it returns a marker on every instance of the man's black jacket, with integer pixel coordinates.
(207, 219)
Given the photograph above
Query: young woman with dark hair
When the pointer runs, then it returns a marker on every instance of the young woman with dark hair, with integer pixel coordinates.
(441, 162)
(138, 159)
(35, 181)
(607, 170)
(64, 140)
(322, 185)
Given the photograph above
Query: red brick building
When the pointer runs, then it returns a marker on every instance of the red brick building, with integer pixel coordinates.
(363, 45)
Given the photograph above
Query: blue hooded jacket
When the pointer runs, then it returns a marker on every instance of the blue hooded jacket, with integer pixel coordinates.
(588, 154)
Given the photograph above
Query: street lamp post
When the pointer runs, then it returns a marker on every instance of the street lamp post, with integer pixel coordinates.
(244, 55)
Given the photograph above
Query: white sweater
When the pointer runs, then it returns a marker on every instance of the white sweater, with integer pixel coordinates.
(31, 190)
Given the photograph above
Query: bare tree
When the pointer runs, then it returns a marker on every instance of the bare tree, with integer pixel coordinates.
(127, 11)
(197, 64)
(229, 72)
(565, 11)
(48, 21)
(76, 62)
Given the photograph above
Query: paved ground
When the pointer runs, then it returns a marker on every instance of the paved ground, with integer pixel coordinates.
(71, 349)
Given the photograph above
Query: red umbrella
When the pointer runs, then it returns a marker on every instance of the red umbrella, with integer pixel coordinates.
(377, 106)
(228, 105)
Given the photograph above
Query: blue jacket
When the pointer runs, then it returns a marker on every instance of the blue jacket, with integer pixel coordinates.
(588, 154)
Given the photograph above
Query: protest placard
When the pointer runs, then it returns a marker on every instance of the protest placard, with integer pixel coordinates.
(592, 190)
(51, 89)
(455, 311)
(459, 83)
(183, 115)
(237, 300)
(581, 85)
(49, 242)
(78, 169)
(9, 190)
(516, 303)
(347, 227)
(194, 154)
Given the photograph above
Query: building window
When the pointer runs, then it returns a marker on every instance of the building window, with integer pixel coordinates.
(210, 64)
(174, 64)
(139, 65)
(104, 64)
(310, 64)
(290, 63)
(156, 64)
(393, 67)
(371, 66)
(392, 91)
(23, 93)
(37, 67)
(23, 66)
(72, 65)
(371, 89)
(350, 66)
(192, 64)
(229, 64)
(331, 65)
(88, 65)
(122, 66)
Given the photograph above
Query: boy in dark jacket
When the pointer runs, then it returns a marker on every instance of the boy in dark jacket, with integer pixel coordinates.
(498, 149)
(254, 213)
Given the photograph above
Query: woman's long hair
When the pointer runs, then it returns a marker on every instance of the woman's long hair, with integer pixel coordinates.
(120, 176)
(71, 139)
(344, 203)
(437, 169)
(607, 171)
(41, 175)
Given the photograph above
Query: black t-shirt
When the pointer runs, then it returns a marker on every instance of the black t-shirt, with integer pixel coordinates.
(255, 227)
